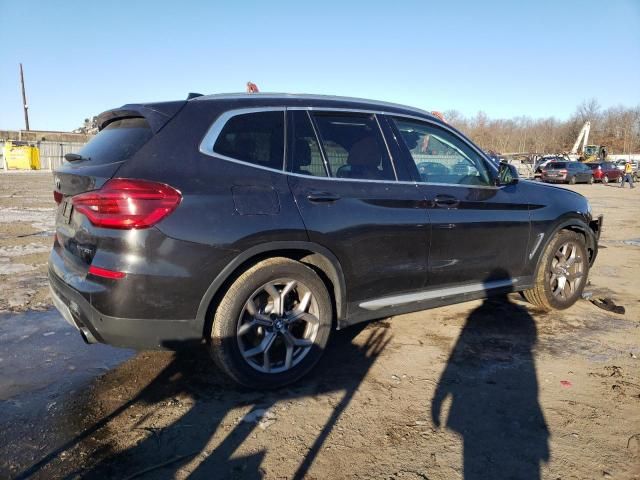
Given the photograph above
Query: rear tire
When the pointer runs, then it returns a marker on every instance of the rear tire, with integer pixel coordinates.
(272, 325)
(605, 179)
(562, 273)
(590, 181)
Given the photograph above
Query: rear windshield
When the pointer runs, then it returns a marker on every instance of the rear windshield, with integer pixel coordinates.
(554, 165)
(117, 141)
(594, 166)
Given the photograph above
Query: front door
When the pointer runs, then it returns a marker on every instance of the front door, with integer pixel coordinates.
(352, 203)
(479, 232)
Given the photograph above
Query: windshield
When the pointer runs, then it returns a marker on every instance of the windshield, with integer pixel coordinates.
(590, 149)
(555, 165)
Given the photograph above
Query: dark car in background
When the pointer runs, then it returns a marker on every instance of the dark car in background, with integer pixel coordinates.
(543, 161)
(261, 222)
(605, 172)
(567, 172)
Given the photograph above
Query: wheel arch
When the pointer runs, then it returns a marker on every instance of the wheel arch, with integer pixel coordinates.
(317, 257)
(575, 224)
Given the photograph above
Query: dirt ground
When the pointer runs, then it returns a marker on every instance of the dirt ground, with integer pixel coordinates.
(27, 226)
(487, 389)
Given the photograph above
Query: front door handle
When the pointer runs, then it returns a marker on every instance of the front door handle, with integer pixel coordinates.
(446, 201)
(322, 197)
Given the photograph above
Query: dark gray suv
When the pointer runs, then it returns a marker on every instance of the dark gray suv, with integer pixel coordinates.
(259, 223)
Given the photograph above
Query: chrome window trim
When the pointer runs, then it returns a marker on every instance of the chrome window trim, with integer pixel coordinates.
(348, 110)
(388, 182)
(403, 299)
(489, 165)
(384, 139)
(212, 134)
(327, 170)
(428, 119)
(209, 140)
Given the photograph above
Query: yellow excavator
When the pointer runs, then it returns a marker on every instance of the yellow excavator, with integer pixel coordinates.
(584, 152)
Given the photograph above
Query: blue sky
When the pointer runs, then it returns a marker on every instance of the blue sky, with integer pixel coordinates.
(507, 58)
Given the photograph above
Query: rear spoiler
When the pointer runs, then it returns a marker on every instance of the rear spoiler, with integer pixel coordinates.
(156, 114)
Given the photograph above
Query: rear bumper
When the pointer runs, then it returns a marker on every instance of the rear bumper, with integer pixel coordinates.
(554, 179)
(139, 334)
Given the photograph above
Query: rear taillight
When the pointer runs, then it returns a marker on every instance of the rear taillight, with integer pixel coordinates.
(57, 196)
(562, 171)
(105, 273)
(126, 204)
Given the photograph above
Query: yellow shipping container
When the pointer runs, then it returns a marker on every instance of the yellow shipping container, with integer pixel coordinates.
(21, 157)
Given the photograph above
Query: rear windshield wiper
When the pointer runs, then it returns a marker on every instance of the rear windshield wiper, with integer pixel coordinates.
(75, 157)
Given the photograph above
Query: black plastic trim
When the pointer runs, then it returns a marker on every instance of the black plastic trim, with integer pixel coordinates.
(337, 276)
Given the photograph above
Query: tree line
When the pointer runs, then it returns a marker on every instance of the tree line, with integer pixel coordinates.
(617, 127)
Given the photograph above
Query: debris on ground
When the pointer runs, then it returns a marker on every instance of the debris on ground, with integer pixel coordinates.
(608, 304)
(263, 417)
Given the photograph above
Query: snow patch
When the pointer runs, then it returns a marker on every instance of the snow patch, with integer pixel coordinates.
(12, 268)
(20, 250)
(40, 218)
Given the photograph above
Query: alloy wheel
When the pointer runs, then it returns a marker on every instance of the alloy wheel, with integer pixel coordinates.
(567, 271)
(278, 326)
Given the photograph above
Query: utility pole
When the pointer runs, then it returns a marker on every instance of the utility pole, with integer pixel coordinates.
(24, 100)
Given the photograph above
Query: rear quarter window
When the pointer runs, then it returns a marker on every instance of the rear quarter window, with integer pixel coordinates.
(117, 142)
(256, 138)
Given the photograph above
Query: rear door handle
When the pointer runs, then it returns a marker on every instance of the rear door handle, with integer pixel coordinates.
(322, 197)
(446, 201)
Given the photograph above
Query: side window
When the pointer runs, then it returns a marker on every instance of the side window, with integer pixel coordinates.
(304, 155)
(256, 138)
(354, 147)
(440, 156)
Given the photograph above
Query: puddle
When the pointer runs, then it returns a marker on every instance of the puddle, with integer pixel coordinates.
(40, 352)
(634, 242)
(46, 372)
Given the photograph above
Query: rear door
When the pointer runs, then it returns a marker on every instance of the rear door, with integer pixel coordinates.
(353, 203)
(478, 230)
(583, 172)
(609, 169)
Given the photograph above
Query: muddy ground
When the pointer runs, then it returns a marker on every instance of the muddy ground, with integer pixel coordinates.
(495, 388)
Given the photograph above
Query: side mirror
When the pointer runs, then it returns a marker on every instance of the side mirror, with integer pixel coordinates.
(507, 174)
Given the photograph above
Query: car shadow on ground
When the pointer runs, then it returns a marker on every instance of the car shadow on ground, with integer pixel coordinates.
(189, 374)
(490, 379)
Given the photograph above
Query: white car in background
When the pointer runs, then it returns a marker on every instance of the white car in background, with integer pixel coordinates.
(634, 166)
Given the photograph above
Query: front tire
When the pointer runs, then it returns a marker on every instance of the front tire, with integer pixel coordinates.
(272, 325)
(590, 181)
(562, 272)
(572, 181)
(605, 179)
